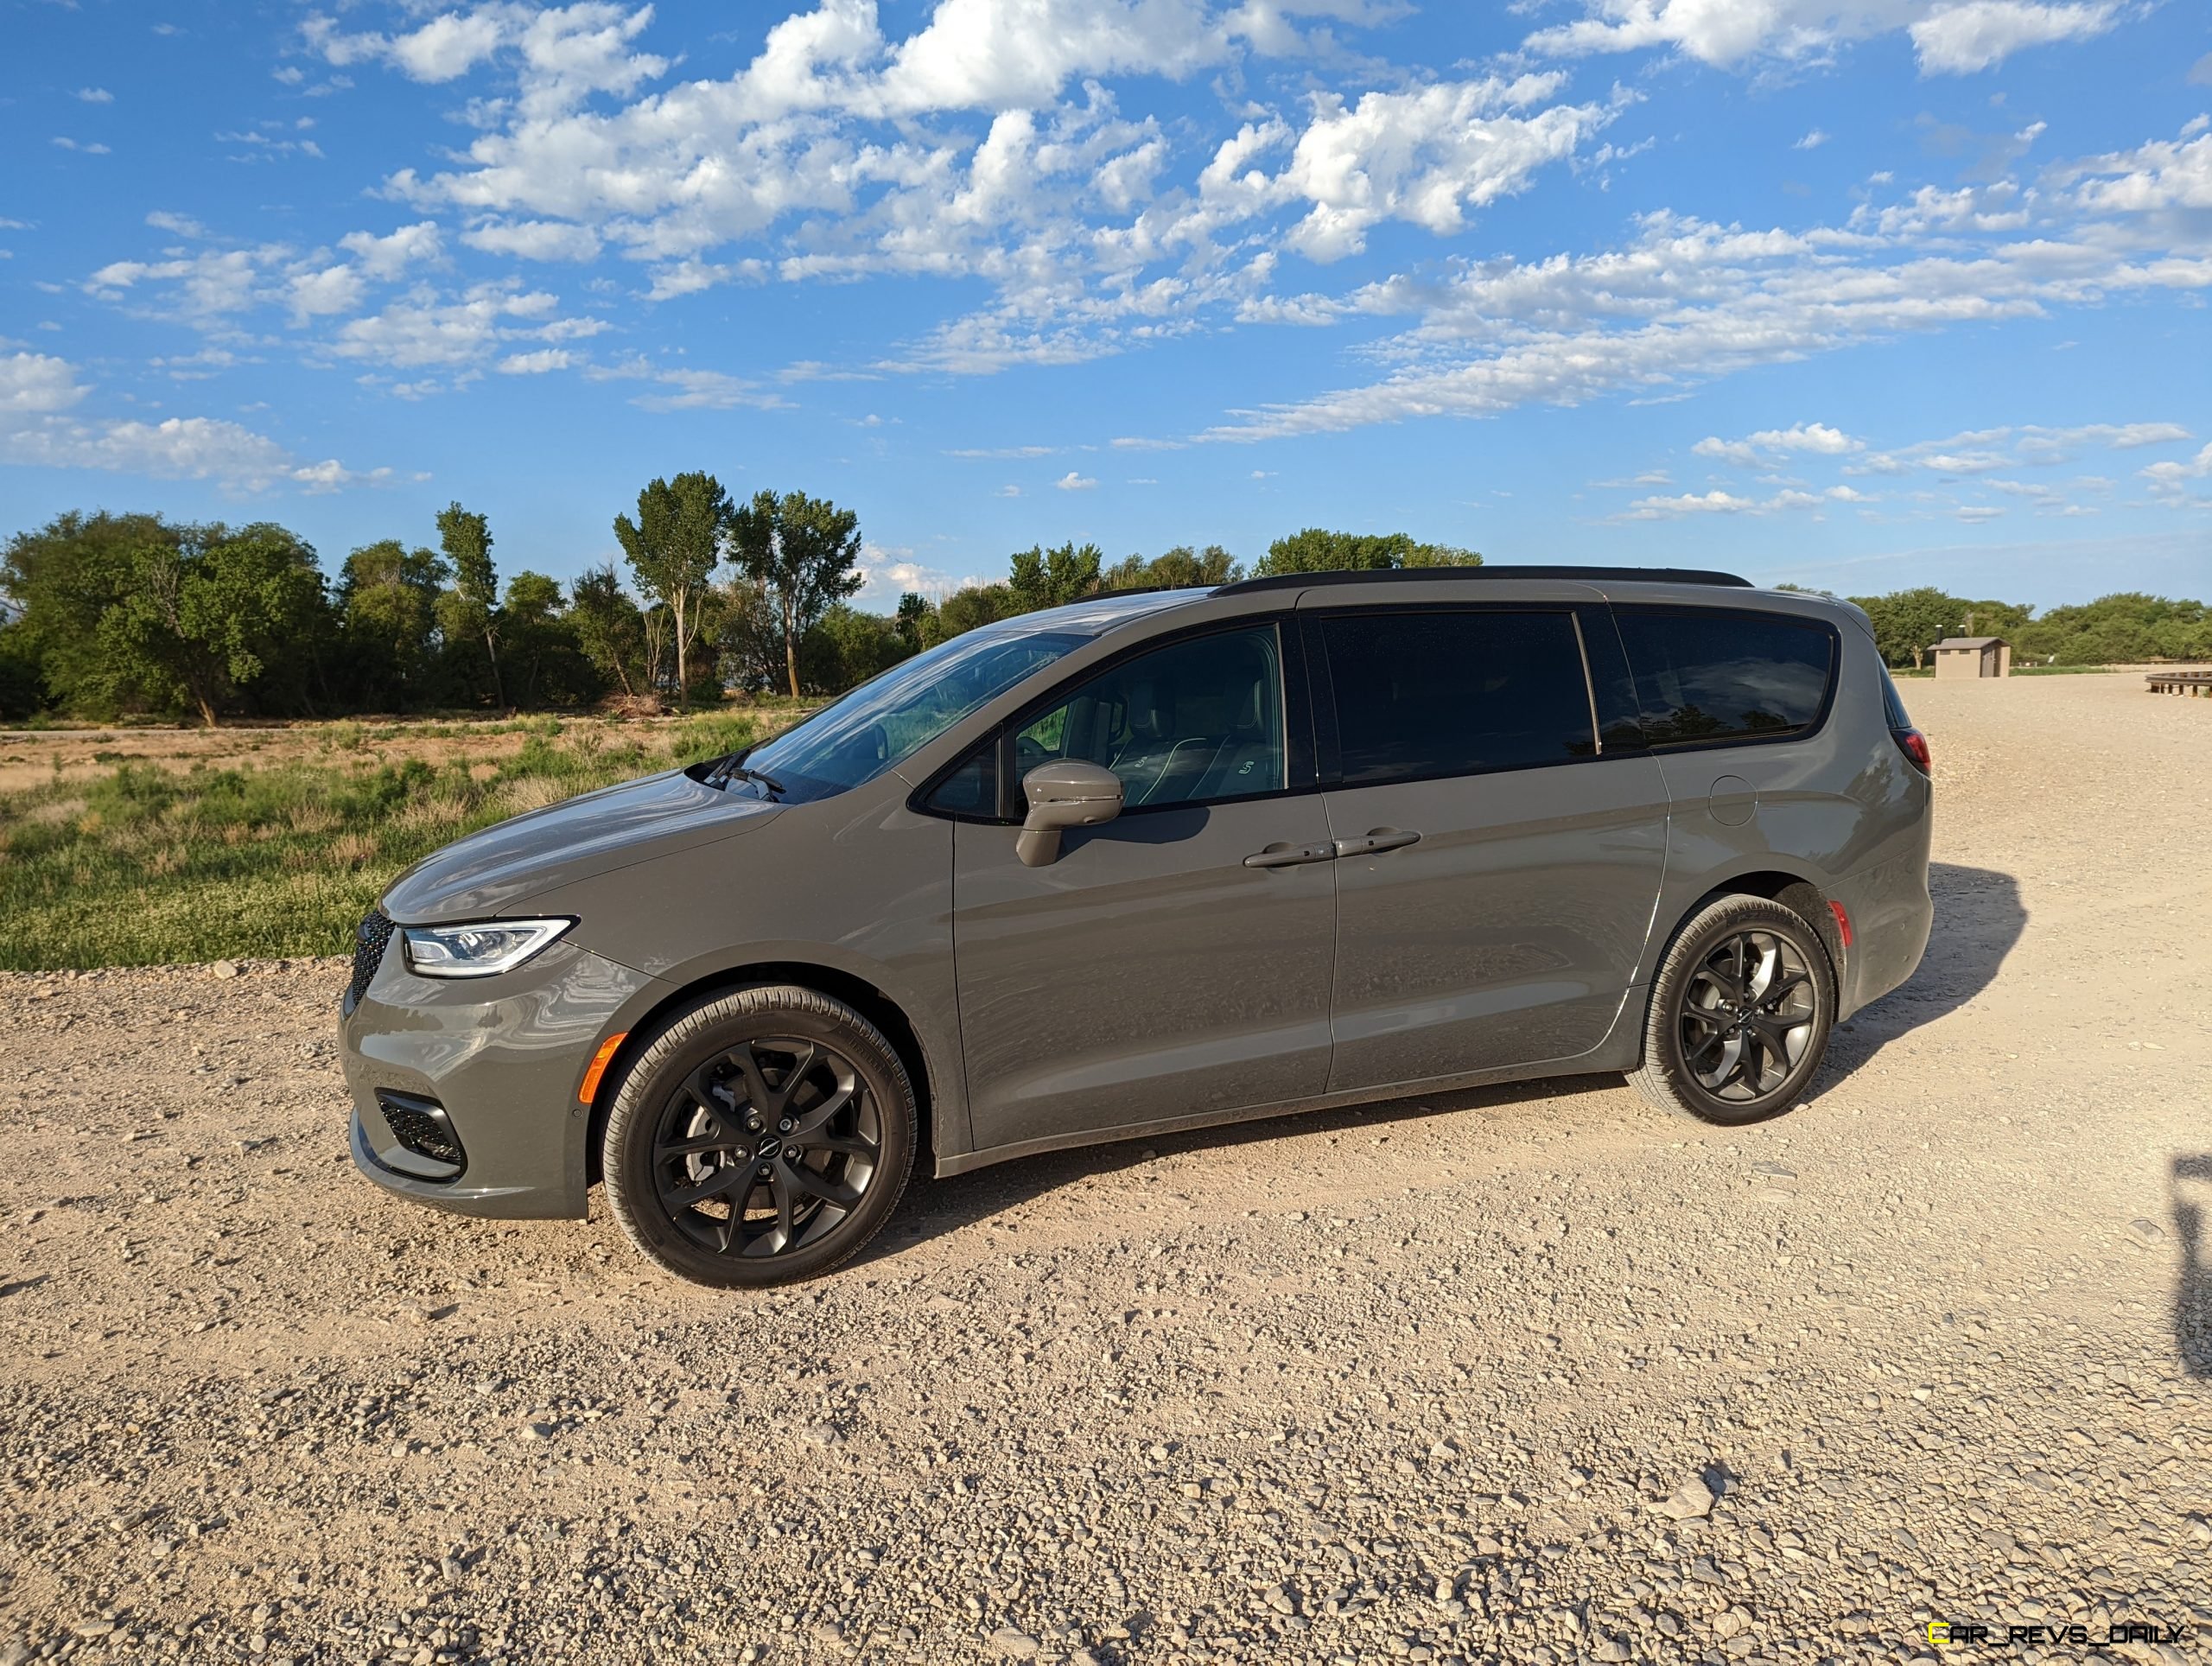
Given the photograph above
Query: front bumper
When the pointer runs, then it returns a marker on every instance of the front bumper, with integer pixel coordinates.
(502, 1057)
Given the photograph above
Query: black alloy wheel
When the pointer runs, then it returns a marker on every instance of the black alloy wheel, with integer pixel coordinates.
(1740, 1013)
(762, 1136)
(1747, 1015)
(766, 1149)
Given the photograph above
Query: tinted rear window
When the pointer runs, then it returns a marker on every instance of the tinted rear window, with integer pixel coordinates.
(1716, 677)
(1430, 694)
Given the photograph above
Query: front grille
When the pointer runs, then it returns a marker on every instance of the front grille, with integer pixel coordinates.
(370, 938)
(421, 1126)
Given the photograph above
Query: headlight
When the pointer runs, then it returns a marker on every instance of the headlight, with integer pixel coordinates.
(495, 946)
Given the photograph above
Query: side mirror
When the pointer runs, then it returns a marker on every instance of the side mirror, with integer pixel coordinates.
(1067, 794)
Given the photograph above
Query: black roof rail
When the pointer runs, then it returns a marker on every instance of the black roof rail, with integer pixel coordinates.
(1404, 575)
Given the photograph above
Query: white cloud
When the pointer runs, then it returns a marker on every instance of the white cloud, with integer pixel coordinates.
(1816, 438)
(1007, 492)
(181, 225)
(384, 258)
(1688, 300)
(1426, 157)
(814, 161)
(562, 54)
(1959, 39)
(208, 285)
(536, 364)
(1074, 481)
(687, 389)
(2162, 175)
(534, 239)
(96, 95)
(1812, 141)
(36, 383)
(333, 289)
(1951, 36)
(180, 448)
(66, 143)
(419, 328)
(2169, 480)
(1690, 503)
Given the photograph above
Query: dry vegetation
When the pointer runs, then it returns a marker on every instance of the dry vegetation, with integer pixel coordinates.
(138, 846)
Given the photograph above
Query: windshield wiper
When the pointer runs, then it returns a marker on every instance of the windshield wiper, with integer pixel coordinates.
(730, 769)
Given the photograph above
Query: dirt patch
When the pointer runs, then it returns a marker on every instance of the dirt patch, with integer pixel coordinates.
(1532, 1375)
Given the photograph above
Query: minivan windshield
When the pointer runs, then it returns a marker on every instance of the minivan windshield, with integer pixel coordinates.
(879, 723)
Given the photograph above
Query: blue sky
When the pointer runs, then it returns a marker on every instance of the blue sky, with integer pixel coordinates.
(1858, 294)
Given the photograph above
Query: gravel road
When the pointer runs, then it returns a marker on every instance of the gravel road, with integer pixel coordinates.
(1534, 1375)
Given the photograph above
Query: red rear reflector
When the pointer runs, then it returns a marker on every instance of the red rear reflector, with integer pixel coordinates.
(607, 1048)
(1842, 921)
(1914, 745)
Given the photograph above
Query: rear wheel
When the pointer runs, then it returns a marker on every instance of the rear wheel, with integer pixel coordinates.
(1740, 1015)
(762, 1136)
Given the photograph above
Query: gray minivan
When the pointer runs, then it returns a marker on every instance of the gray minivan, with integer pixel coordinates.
(1153, 861)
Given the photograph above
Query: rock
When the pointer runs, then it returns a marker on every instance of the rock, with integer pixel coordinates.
(1613, 1648)
(1776, 1170)
(2145, 1231)
(821, 1434)
(224, 968)
(1007, 1643)
(1691, 1498)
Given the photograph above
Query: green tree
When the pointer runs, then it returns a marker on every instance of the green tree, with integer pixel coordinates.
(1051, 578)
(609, 628)
(1179, 568)
(546, 664)
(802, 554)
(1316, 549)
(914, 613)
(1907, 623)
(210, 615)
(62, 579)
(22, 687)
(473, 611)
(2128, 625)
(673, 547)
(969, 608)
(387, 619)
(846, 647)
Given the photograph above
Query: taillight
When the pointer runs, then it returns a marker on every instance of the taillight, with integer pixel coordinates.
(1914, 745)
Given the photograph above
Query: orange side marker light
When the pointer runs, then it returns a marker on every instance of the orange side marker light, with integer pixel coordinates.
(600, 1061)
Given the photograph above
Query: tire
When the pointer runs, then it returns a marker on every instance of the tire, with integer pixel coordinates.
(1762, 974)
(720, 1162)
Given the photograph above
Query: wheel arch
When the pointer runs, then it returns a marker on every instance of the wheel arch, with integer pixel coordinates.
(864, 997)
(1802, 893)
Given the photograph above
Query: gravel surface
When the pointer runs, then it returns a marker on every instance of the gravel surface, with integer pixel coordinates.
(1532, 1375)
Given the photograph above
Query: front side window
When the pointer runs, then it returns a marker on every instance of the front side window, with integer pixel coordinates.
(879, 723)
(1424, 695)
(1192, 722)
(1703, 677)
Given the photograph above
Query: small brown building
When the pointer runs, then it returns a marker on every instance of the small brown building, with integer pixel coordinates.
(1972, 655)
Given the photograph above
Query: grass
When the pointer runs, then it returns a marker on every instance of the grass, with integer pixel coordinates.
(144, 866)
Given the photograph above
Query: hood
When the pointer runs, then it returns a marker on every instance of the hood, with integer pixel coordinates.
(490, 873)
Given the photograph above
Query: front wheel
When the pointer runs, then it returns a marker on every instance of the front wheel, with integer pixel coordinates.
(762, 1136)
(1740, 1015)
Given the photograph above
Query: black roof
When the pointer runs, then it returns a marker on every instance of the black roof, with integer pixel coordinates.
(1612, 575)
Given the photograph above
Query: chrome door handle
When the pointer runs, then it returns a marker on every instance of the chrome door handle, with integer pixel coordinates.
(1381, 838)
(1291, 856)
